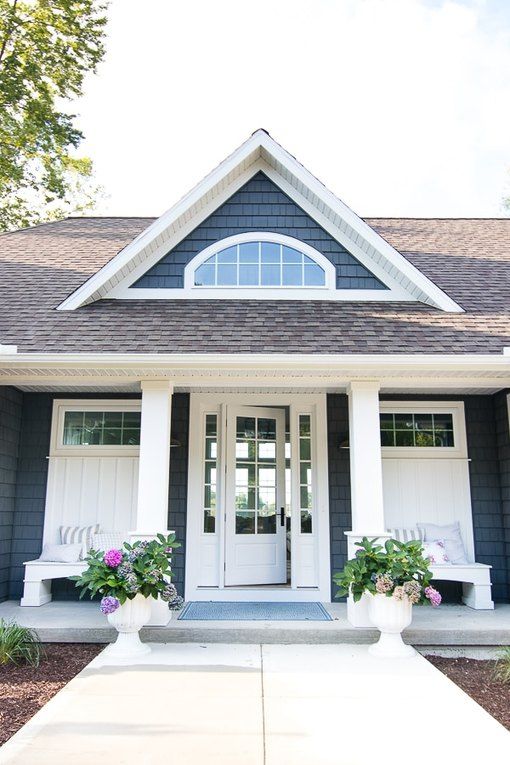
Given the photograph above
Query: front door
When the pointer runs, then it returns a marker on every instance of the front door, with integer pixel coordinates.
(255, 539)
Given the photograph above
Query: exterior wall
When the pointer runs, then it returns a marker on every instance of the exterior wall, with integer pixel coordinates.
(10, 427)
(339, 481)
(489, 451)
(178, 488)
(485, 484)
(31, 483)
(503, 436)
(29, 504)
(259, 206)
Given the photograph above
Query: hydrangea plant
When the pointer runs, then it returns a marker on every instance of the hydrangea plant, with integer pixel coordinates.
(139, 568)
(395, 569)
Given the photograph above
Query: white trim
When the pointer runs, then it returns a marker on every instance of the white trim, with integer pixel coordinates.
(455, 408)
(61, 406)
(314, 404)
(214, 187)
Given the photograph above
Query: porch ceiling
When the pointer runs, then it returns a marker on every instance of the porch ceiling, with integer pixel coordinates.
(255, 372)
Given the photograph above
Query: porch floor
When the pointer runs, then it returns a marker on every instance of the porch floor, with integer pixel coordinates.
(449, 625)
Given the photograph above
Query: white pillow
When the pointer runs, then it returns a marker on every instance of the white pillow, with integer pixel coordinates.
(109, 540)
(435, 552)
(70, 535)
(61, 553)
(451, 537)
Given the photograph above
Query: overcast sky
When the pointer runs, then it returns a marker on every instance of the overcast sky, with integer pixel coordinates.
(401, 107)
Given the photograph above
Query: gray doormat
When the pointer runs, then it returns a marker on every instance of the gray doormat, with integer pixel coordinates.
(211, 611)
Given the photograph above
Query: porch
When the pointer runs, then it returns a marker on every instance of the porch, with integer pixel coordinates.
(449, 625)
(321, 476)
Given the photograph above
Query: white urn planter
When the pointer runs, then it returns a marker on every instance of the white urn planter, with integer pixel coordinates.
(128, 620)
(390, 616)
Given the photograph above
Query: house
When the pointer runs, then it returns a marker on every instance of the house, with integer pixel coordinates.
(325, 377)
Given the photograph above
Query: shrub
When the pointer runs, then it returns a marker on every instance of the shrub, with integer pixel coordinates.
(502, 667)
(19, 644)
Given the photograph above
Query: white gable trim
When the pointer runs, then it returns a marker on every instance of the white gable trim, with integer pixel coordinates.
(261, 152)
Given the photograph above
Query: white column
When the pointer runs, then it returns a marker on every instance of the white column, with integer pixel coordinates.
(153, 473)
(154, 467)
(366, 477)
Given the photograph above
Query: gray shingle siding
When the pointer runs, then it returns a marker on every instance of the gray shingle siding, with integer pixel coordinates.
(503, 437)
(339, 481)
(178, 488)
(10, 427)
(258, 206)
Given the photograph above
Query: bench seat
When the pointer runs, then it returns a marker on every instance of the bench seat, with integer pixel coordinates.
(38, 576)
(475, 578)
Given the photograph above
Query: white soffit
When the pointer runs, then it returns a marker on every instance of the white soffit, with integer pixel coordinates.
(261, 153)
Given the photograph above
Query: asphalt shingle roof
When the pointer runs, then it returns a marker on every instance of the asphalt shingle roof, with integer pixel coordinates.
(468, 259)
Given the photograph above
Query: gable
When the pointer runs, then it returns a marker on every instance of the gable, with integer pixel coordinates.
(258, 206)
(361, 252)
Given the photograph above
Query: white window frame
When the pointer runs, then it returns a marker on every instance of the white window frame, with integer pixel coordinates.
(258, 291)
(61, 406)
(455, 408)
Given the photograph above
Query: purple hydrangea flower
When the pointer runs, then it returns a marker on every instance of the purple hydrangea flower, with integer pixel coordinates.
(131, 584)
(113, 558)
(169, 593)
(125, 570)
(433, 595)
(109, 604)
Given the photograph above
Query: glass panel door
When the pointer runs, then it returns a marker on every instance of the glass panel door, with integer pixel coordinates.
(256, 525)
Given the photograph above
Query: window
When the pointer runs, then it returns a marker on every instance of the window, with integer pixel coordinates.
(305, 472)
(259, 264)
(101, 428)
(210, 472)
(417, 429)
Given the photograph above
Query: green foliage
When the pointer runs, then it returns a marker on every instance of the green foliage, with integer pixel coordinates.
(46, 49)
(502, 666)
(401, 561)
(150, 565)
(19, 644)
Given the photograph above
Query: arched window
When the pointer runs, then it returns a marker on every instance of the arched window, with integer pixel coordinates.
(260, 260)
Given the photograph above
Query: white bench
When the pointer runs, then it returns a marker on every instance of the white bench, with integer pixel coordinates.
(38, 576)
(476, 582)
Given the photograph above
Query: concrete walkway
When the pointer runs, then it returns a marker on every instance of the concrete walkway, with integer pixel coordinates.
(192, 704)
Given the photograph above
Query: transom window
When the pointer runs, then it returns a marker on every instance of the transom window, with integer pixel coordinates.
(259, 264)
(101, 428)
(417, 429)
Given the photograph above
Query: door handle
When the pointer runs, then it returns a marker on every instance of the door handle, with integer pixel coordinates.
(282, 516)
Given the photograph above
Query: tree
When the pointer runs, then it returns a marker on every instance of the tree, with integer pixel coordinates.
(46, 49)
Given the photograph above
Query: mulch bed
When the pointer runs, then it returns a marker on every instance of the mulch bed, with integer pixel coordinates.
(474, 676)
(24, 690)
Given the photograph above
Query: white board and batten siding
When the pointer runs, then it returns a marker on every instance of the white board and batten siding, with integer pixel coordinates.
(88, 485)
(428, 484)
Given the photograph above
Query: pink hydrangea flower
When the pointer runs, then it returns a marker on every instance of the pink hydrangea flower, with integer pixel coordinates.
(113, 558)
(433, 595)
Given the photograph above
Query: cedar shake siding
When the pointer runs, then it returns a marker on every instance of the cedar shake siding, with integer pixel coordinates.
(259, 206)
(10, 427)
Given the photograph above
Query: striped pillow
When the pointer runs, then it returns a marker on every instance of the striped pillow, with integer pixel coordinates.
(406, 535)
(79, 535)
